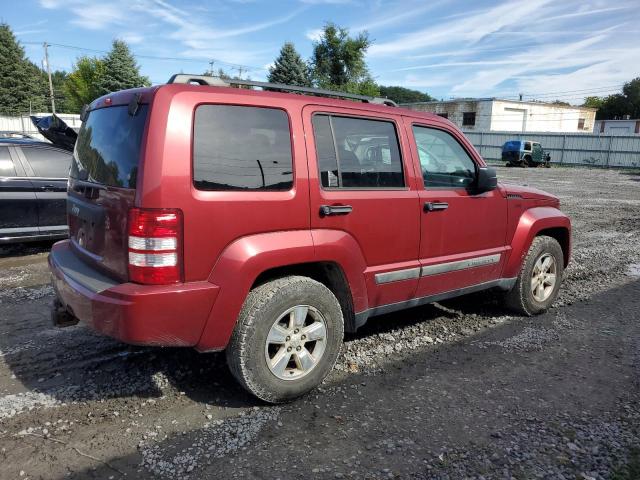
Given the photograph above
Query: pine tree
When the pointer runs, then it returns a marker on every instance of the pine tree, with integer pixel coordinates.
(120, 70)
(289, 68)
(22, 87)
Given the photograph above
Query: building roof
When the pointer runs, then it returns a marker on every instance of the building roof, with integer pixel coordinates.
(495, 99)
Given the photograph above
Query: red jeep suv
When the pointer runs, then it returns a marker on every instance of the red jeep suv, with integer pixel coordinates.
(268, 223)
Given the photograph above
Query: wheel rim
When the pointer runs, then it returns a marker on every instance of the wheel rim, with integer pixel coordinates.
(296, 342)
(543, 277)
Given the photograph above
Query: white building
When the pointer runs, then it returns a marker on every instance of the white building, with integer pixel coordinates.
(493, 114)
(617, 127)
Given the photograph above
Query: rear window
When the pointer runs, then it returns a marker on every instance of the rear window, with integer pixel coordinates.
(108, 146)
(241, 148)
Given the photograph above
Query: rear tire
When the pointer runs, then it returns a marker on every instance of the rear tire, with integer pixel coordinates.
(287, 339)
(539, 279)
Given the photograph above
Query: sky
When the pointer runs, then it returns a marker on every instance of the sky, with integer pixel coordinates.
(544, 49)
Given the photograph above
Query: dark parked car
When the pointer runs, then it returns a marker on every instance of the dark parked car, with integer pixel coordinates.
(33, 190)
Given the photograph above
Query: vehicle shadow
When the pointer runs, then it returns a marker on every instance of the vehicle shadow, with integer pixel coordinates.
(25, 248)
(635, 175)
(74, 364)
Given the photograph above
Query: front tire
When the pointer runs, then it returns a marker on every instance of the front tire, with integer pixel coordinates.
(287, 339)
(539, 279)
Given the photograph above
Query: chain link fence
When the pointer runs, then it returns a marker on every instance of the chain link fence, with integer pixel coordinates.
(620, 151)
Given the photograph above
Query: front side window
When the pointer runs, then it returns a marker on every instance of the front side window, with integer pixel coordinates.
(443, 160)
(357, 152)
(527, 146)
(47, 162)
(241, 148)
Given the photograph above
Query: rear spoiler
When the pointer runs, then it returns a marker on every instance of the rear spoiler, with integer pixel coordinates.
(56, 131)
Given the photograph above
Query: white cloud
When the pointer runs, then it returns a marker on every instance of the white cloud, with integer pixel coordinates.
(471, 28)
(386, 20)
(132, 38)
(314, 35)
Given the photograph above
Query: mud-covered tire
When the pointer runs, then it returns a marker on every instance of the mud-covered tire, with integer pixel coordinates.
(248, 351)
(521, 298)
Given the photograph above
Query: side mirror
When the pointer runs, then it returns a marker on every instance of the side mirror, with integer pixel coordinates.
(487, 180)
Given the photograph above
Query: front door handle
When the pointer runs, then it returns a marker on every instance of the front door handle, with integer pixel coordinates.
(326, 210)
(434, 206)
(48, 188)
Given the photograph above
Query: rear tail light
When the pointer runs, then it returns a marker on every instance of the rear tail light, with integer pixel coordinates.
(155, 246)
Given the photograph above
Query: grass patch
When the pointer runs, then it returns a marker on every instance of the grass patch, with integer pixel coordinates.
(631, 470)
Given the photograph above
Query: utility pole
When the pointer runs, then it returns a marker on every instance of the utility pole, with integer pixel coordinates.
(520, 96)
(46, 59)
(240, 72)
(211, 67)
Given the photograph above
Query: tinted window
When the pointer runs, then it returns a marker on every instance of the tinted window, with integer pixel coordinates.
(368, 155)
(443, 160)
(527, 146)
(241, 148)
(6, 164)
(108, 146)
(47, 162)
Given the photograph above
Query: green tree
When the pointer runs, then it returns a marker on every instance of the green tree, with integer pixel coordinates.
(120, 70)
(22, 89)
(82, 84)
(618, 105)
(289, 68)
(593, 102)
(404, 95)
(338, 62)
(59, 80)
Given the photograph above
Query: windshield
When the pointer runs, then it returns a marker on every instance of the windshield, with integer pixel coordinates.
(108, 147)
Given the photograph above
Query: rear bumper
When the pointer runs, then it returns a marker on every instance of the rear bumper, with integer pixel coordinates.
(163, 315)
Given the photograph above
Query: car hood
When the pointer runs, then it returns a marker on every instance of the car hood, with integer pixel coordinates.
(56, 131)
(528, 193)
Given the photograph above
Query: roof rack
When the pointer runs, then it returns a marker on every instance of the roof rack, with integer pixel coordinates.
(228, 82)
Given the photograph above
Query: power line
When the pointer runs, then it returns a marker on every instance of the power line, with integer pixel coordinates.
(208, 60)
(574, 91)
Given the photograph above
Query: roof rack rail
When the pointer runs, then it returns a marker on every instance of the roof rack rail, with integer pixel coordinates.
(224, 82)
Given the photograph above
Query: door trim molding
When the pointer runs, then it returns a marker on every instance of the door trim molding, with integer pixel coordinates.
(397, 275)
(460, 264)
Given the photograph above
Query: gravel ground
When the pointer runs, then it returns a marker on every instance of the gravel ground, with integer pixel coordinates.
(453, 390)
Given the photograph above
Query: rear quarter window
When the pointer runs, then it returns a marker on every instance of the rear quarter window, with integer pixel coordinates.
(241, 148)
(6, 164)
(48, 162)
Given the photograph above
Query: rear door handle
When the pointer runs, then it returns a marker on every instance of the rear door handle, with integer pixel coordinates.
(434, 206)
(326, 210)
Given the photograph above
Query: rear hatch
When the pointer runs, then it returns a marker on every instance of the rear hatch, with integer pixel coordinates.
(102, 186)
